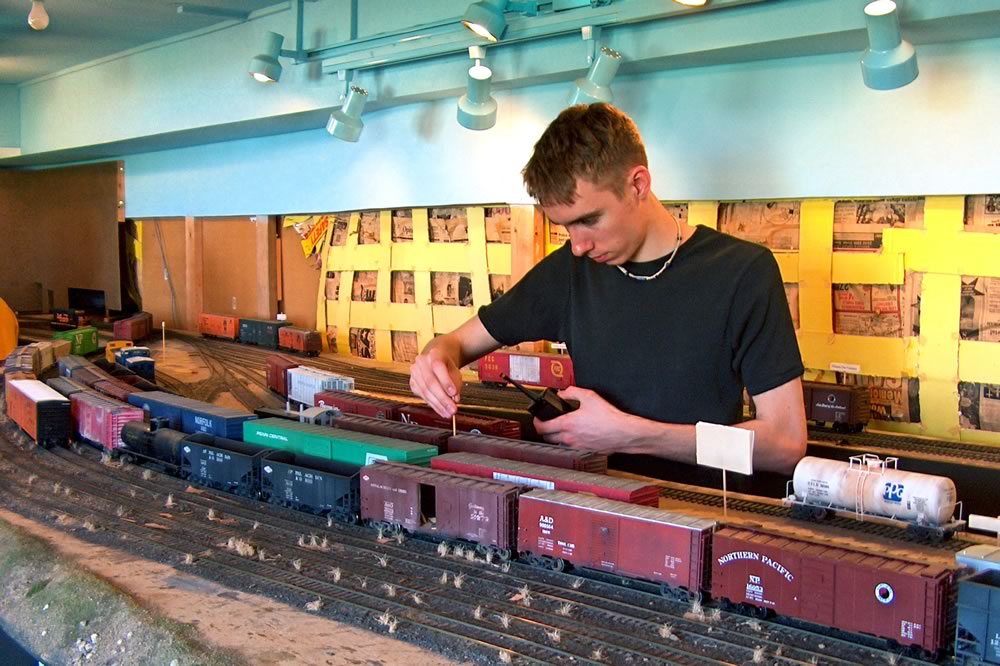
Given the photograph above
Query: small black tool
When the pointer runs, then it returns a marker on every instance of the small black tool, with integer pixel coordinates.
(545, 405)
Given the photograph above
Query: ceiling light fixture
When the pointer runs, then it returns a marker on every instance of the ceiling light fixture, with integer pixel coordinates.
(692, 3)
(38, 18)
(486, 19)
(264, 66)
(596, 86)
(477, 110)
(889, 62)
(345, 123)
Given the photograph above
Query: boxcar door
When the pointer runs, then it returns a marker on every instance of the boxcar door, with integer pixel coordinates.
(604, 541)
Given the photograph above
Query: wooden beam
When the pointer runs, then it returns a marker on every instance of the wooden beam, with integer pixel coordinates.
(267, 273)
(527, 248)
(193, 272)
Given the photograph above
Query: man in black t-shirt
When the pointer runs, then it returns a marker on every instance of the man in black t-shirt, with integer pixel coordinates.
(666, 324)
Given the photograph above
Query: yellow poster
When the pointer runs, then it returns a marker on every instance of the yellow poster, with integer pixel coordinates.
(312, 229)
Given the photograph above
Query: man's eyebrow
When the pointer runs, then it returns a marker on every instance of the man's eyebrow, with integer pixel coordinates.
(585, 217)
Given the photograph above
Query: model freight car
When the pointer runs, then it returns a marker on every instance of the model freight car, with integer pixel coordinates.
(40, 411)
(549, 370)
(67, 318)
(192, 415)
(137, 327)
(82, 341)
(550, 478)
(305, 382)
(844, 408)
(221, 463)
(441, 504)
(144, 366)
(65, 386)
(99, 420)
(556, 528)
(977, 636)
(311, 484)
(293, 338)
(333, 443)
(474, 423)
(277, 367)
(539, 453)
(900, 600)
(354, 403)
(218, 326)
(261, 332)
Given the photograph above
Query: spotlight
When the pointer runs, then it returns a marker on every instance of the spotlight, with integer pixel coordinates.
(692, 3)
(345, 123)
(486, 19)
(890, 62)
(477, 110)
(264, 66)
(596, 86)
(38, 18)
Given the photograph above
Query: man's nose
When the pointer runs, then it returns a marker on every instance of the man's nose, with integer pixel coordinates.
(581, 246)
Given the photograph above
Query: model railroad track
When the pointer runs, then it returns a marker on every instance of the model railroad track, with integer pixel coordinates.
(959, 451)
(596, 622)
(871, 528)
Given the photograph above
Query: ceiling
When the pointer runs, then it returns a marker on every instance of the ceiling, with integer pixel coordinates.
(83, 30)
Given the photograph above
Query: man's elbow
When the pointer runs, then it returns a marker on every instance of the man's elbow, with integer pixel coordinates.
(792, 450)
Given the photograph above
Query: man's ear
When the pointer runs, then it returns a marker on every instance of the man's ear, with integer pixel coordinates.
(639, 182)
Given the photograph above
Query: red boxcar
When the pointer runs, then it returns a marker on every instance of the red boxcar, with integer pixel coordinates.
(116, 389)
(539, 453)
(100, 420)
(549, 478)
(278, 366)
(41, 411)
(552, 370)
(896, 599)
(446, 505)
(298, 339)
(218, 326)
(486, 425)
(412, 433)
(354, 403)
(619, 538)
(136, 327)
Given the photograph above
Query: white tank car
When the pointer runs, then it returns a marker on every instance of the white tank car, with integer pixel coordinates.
(867, 485)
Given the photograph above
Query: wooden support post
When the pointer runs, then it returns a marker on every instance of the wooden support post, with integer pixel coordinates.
(267, 274)
(527, 248)
(193, 273)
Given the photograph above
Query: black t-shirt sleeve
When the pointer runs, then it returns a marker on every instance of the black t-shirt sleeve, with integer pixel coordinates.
(534, 308)
(766, 353)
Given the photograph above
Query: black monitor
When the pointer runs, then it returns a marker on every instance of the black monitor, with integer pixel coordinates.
(88, 300)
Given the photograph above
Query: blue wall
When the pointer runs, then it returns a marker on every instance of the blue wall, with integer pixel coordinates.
(10, 117)
(795, 127)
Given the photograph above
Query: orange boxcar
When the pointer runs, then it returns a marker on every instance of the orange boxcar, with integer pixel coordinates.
(218, 326)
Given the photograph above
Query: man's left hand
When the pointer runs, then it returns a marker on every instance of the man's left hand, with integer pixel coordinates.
(596, 425)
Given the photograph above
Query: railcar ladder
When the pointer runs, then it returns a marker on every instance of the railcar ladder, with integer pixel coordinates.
(864, 466)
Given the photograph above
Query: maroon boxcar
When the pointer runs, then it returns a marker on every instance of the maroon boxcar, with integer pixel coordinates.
(474, 423)
(355, 403)
(897, 599)
(278, 366)
(539, 453)
(562, 528)
(136, 327)
(218, 326)
(536, 369)
(100, 420)
(88, 375)
(298, 339)
(441, 504)
(549, 478)
(115, 388)
(412, 433)
(846, 408)
(39, 410)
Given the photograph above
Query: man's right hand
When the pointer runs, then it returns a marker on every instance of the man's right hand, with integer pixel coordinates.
(435, 378)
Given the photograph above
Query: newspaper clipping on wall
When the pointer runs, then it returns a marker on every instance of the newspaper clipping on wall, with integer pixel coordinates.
(792, 294)
(341, 222)
(878, 310)
(404, 346)
(498, 224)
(773, 224)
(448, 225)
(369, 228)
(499, 284)
(402, 287)
(858, 225)
(451, 288)
(331, 338)
(982, 213)
(402, 225)
(365, 286)
(892, 398)
(332, 285)
(362, 342)
(979, 406)
(980, 309)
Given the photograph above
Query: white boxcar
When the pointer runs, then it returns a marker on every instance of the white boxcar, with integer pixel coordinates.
(305, 382)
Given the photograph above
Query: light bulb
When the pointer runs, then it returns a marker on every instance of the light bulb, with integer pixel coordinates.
(38, 18)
